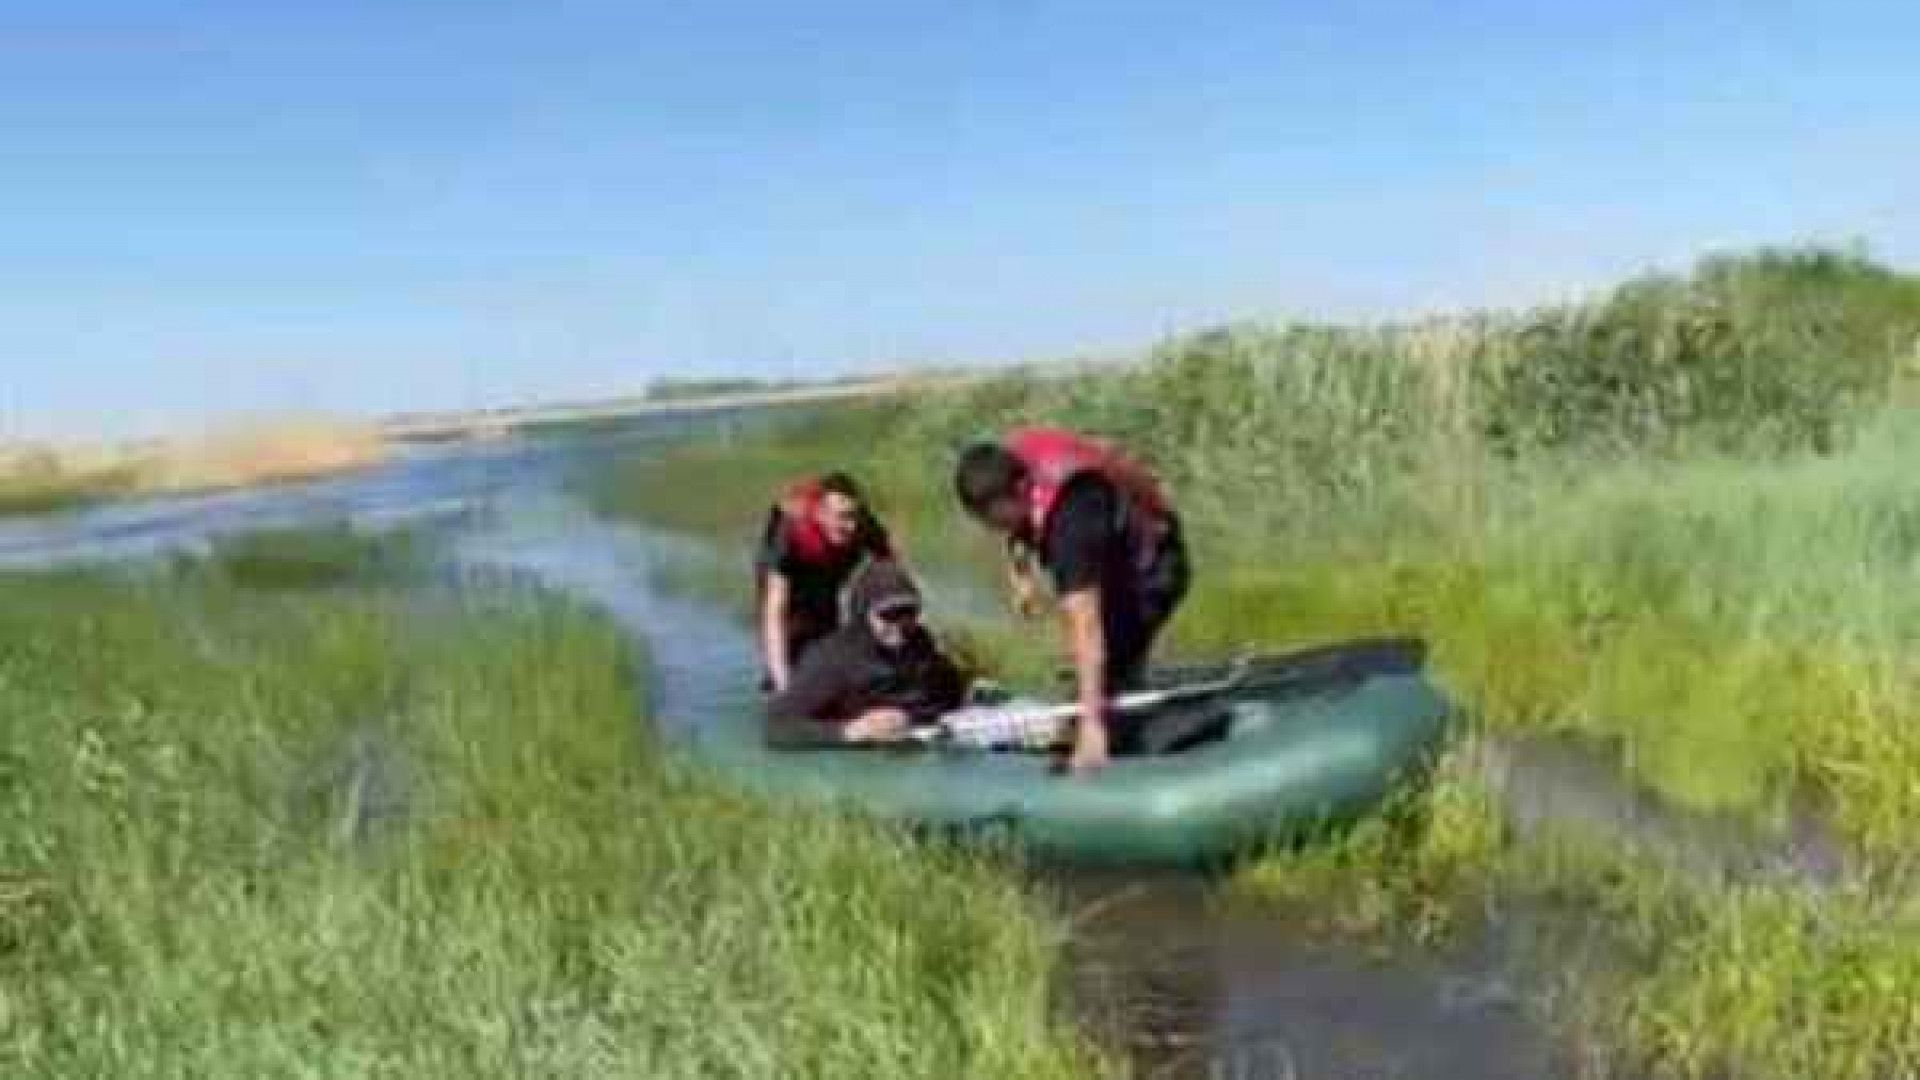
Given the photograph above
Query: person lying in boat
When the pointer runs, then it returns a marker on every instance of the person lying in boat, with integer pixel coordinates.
(874, 678)
(1103, 529)
(817, 534)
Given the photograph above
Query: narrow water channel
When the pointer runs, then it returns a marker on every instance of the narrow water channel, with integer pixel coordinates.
(1156, 965)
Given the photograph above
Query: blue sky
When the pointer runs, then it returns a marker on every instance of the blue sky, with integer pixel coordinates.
(222, 207)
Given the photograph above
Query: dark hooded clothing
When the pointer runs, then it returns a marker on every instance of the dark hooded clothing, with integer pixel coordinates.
(851, 673)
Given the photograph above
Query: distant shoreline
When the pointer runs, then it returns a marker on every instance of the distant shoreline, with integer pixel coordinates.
(38, 478)
(494, 423)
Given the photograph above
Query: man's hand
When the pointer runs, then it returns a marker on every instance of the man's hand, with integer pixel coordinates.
(1027, 601)
(877, 725)
(1090, 753)
(1026, 589)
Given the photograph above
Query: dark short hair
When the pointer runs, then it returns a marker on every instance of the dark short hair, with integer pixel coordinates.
(839, 483)
(986, 472)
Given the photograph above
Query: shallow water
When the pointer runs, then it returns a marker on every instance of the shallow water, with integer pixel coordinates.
(1193, 985)
(1550, 784)
(1157, 965)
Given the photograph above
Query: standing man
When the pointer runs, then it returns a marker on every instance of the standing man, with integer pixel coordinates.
(816, 536)
(1104, 531)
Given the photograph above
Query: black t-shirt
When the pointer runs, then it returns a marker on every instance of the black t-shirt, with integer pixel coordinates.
(815, 585)
(1093, 541)
(1086, 542)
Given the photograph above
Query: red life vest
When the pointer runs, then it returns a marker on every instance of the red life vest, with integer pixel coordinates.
(1054, 456)
(800, 521)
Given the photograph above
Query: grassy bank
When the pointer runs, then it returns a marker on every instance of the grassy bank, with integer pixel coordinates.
(1649, 520)
(1677, 520)
(355, 833)
(1739, 628)
(1642, 968)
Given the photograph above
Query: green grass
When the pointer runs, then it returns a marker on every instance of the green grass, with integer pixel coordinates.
(1772, 984)
(313, 557)
(1416, 873)
(1730, 602)
(1679, 520)
(185, 889)
(1643, 970)
(1736, 627)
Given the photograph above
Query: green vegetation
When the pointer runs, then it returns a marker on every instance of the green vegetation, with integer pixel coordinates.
(1678, 520)
(673, 388)
(1416, 873)
(365, 833)
(668, 388)
(1645, 969)
(311, 557)
(1708, 587)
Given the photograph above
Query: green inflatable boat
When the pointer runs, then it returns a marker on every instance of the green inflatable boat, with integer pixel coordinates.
(1301, 743)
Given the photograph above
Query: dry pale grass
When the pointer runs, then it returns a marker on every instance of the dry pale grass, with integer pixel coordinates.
(39, 476)
(264, 452)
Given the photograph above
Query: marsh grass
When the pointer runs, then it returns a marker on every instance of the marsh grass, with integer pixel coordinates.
(1644, 969)
(39, 479)
(1679, 520)
(313, 557)
(1719, 581)
(1413, 874)
(1738, 628)
(1702, 980)
(178, 896)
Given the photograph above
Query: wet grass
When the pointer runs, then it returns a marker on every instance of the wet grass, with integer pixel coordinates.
(1416, 873)
(1737, 630)
(313, 557)
(1642, 968)
(1734, 629)
(191, 885)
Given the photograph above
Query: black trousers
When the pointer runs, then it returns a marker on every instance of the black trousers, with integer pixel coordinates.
(1134, 616)
(1134, 609)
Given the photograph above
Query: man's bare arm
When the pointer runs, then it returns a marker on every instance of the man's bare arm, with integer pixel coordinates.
(773, 629)
(1087, 641)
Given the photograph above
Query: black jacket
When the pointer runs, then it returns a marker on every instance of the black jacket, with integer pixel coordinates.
(850, 673)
